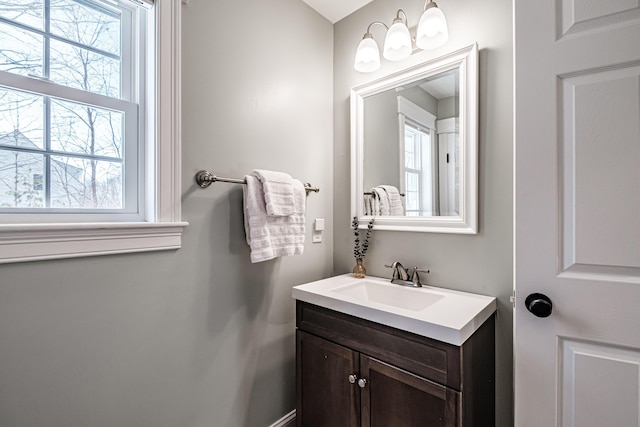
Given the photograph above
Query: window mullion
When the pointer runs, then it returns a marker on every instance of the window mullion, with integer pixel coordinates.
(46, 40)
(62, 153)
(47, 104)
(47, 149)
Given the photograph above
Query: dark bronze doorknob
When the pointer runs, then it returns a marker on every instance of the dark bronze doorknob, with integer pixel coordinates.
(539, 304)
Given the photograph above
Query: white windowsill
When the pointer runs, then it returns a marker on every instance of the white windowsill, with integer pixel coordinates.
(36, 242)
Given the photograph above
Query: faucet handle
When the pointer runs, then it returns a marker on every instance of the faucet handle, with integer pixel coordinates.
(394, 274)
(415, 278)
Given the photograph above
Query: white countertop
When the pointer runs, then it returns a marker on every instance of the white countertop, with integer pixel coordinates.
(442, 314)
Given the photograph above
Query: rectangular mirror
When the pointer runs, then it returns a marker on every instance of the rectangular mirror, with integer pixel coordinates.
(414, 144)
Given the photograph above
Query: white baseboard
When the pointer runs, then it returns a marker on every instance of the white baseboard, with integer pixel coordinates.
(288, 420)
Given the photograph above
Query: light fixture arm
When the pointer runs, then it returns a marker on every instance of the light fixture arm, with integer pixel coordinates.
(429, 4)
(398, 19)
(368, 33)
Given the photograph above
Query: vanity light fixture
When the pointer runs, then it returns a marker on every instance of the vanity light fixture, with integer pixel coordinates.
(432, 32)
(368, 54)
(397, 42)
(432, 29)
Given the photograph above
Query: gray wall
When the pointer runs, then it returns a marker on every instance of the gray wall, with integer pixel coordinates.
(199, 336)
(381, 133)
(448, 107)
(421, 98)
(481, 263)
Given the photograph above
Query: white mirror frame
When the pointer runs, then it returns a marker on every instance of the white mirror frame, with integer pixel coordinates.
(466, 60)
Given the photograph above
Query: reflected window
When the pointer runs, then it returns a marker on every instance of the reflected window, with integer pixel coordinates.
(418, 169)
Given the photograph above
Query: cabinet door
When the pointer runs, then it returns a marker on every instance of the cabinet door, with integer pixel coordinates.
(325, 396)
(393, 397)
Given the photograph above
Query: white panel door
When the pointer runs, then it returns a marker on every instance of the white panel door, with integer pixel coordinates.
(577, 212)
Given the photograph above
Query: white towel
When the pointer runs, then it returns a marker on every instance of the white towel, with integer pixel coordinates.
(272, 236)
(395, 202)
(278, 192)
(368, 204)
(382, 199)
(374, 203)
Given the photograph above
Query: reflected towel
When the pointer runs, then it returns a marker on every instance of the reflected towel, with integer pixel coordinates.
(395, 201)
(368, 204)
(381, 201)
(269, 236)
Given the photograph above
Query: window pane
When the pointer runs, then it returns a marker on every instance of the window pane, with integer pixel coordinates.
(412, 143)
(82, 183)
(409, 158)
(83, 69)
(21, 119)
(82, 129)
(412, 181)
(27, 12)
(412, 191)
(412, 202)
(89, 25)
(20, 51)
(21, 179)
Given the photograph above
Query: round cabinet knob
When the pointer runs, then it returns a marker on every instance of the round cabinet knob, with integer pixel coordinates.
(352, 379)
(362, 383)
(539, 304)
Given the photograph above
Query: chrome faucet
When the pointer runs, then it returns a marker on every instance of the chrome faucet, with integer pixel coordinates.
(400, 275)
(399, 272)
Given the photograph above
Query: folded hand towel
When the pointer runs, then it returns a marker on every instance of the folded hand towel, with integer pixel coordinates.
(395, 202)
(368, 204)
(374, 201)
(272, 236)
(383, 200)
(278, 192)
(299, 197)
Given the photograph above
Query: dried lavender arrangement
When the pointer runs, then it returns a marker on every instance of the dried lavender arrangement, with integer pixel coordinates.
(360, 249)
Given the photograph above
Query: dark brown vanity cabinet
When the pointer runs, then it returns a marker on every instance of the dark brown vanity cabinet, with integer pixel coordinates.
(352, 372)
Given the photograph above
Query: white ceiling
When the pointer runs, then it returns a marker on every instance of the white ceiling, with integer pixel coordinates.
(335, 10)
(444, 86)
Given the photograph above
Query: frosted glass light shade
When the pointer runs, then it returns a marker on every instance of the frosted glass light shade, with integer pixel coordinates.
(397, 42)
(367, 56)
(432, 29)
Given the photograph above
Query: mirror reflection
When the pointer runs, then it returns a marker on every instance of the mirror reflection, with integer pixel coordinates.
(411, 148)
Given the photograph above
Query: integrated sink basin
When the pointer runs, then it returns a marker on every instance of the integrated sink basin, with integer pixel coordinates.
(442, 314)
(396, 296)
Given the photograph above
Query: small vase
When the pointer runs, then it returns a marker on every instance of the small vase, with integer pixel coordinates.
(359, 271)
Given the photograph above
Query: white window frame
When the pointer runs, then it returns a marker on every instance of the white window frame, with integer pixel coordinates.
(418, 118)
(163, 227)
(425, 170)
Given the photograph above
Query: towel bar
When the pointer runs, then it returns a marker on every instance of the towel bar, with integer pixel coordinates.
(204, 179)
(368, 193)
